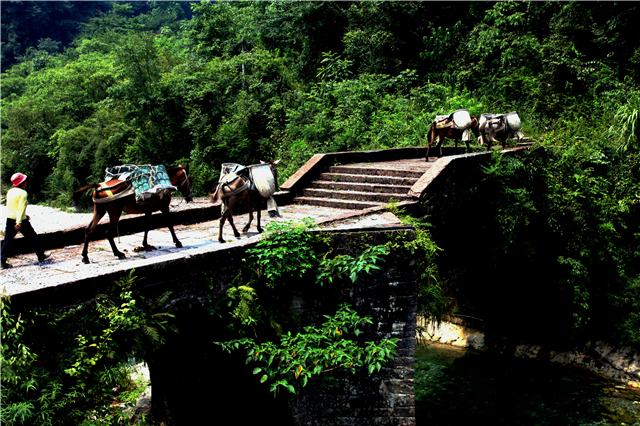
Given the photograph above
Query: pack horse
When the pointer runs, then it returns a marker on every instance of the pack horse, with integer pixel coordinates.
(248, 186)
(135, 190)
(456, 125)
(499, 128)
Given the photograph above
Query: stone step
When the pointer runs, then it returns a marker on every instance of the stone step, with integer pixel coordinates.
(335, 203)
(359, 170)
(355, 195)
(350, 177)
(360, 187)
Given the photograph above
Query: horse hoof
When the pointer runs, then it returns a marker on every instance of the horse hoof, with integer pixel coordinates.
(260, 230)
(179, 244)
(221, 240)
(85, 260)
(121, 256)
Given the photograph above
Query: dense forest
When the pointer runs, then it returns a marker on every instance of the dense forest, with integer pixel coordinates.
(89, 85)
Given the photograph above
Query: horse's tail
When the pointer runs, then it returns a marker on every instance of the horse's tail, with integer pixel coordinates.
(430, 139)
(216, 195)
(431, 133)
(81, 191)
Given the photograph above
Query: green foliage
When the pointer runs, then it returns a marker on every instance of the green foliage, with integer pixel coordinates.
(566, 217)
(144, 85)
(334, 68)
(285, 252)
(625, 130)
(298, 357)
(432, 300)
(291, 355)
(78, 367)
(343, 266)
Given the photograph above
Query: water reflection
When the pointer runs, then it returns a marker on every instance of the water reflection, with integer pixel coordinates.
(460, 386)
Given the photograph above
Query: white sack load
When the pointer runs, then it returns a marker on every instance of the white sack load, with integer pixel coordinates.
(263, 179)
(462, 119)
(513, 120)
(482, 123)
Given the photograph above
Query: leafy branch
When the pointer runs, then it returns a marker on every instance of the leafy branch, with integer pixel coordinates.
(345, 265)
(299, 356)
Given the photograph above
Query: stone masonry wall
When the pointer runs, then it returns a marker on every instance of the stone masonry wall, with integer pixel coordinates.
(389, 297)
(193, 379)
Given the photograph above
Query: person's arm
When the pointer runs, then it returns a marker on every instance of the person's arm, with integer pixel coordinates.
(21, 210)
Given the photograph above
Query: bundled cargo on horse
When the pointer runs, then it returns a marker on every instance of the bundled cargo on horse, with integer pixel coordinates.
(149, 183)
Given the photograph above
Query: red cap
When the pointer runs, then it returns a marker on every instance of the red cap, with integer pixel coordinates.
(18, 178)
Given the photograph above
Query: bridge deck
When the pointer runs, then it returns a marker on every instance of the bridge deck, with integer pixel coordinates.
(66, 264)
(411, 164)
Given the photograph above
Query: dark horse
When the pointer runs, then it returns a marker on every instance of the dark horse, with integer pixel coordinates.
(179, 177)
(498, 130)
(240, 191)
(450, 132)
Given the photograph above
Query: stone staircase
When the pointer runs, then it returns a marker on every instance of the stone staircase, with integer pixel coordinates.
(357, 187)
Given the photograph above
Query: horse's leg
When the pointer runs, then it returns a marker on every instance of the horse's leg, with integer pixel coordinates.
(440, 142)
(114, 217)
(490, 136)
(222, 219)
(98, 212)
(229, 204)
(233, 226)
(147, 216)
(246, 199)
(246, 227)
(258, 205)
(506, 137)
(166, 214)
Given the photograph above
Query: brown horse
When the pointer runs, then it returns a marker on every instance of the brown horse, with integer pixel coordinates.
(450, 132)
(123, 199)
(240, 191)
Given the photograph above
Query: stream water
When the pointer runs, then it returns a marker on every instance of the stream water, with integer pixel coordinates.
(457, 386)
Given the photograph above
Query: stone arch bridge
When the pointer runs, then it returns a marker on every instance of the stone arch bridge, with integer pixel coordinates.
(348, 194)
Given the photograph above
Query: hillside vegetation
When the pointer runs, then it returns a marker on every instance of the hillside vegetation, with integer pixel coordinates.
(548, 251)
(249, 81)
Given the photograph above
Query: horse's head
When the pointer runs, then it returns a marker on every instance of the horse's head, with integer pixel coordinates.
(180, 178)
(274, 169)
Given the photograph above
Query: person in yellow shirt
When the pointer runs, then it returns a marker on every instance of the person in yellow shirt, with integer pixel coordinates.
(18, 221)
